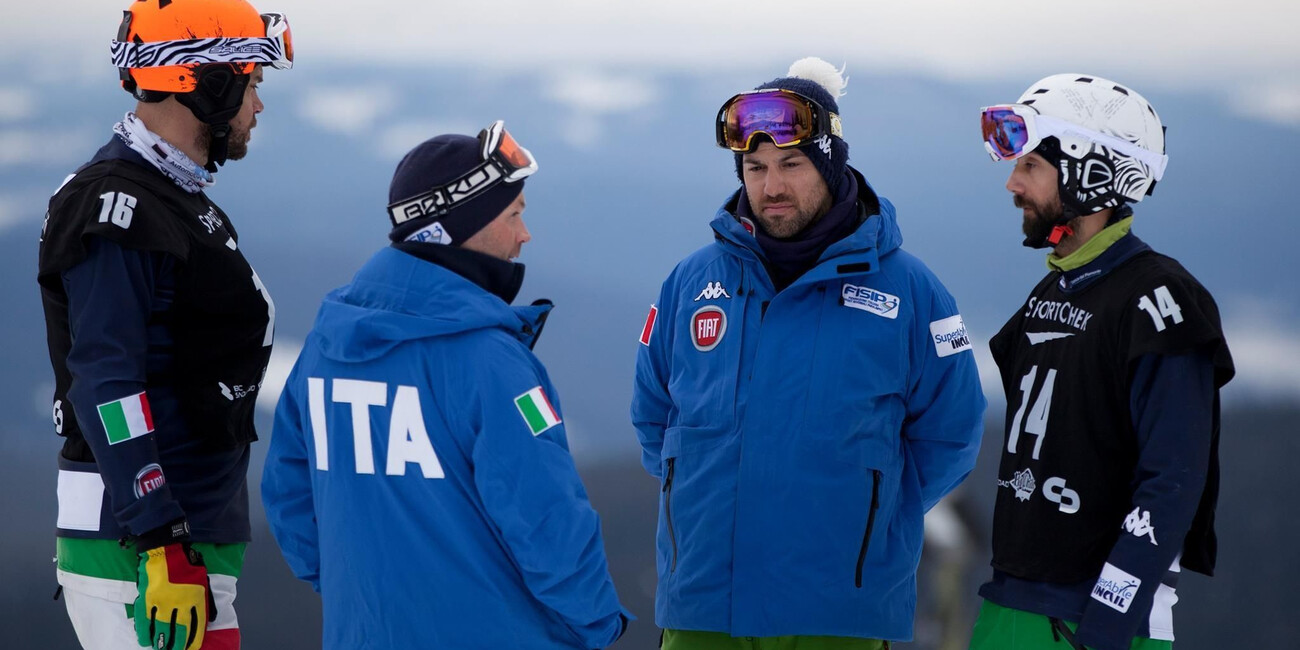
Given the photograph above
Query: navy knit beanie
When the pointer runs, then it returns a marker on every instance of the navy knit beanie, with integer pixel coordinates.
(821, 82)
(436, 162)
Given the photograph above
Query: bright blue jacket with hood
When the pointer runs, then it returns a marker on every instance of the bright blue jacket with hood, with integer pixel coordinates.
(419, 476)
(800, 436)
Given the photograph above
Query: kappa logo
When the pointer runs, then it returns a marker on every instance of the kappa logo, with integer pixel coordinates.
(712, 291)
(148, 479)
(1022, 482)
(708, 325)
(824, 143)
(870, 300)
(1116, 588)
(211, 221)
(1138, 523)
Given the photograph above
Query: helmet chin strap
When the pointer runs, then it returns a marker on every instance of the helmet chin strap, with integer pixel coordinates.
(218, 146)
(216, 99)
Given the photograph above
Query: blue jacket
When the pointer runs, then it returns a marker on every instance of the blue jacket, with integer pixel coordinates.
(801, 436)
(404, 482)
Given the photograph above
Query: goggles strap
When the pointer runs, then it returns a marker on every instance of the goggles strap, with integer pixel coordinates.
(440, 200)
(822, 120)
(199, 51)
(495, 168)
(1051, 126)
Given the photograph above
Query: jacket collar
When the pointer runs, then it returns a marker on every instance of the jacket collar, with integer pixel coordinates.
(1076, 280)
(856, 254)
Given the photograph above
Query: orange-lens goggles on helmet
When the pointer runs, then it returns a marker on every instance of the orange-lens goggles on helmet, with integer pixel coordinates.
(275, 49)
(786, 117)
(504, 161)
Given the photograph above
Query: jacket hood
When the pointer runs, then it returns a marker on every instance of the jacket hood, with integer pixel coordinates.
(396, 297)
(878, 235)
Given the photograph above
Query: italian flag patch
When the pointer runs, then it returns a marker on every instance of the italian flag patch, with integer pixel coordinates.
(126, 418)
(537, 411)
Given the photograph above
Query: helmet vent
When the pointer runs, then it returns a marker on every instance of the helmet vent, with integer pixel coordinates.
(162, 4)
(1096, 174)
(1121, 89)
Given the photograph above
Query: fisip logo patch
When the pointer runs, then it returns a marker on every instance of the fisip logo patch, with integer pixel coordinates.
(708, 325)
(870, 300)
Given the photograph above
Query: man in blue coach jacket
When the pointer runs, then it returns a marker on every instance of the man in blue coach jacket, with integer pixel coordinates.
(805, 392)
(419, 475)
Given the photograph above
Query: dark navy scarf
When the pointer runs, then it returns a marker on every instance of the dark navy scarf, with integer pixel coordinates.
(787, 259)
(499, 277)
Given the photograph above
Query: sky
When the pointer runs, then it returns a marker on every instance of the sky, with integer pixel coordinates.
(1244, 49)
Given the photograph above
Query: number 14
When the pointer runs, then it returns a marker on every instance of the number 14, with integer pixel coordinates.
(1036, 424)
(1164, 307)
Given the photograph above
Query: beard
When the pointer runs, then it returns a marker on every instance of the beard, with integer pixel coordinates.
(1039, 219)
(785, 227)
(236, 142)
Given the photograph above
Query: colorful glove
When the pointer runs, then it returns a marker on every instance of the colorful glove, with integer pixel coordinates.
(174, 604)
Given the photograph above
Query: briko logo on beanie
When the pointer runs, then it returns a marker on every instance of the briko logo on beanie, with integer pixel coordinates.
(501, 160)
(460, 181)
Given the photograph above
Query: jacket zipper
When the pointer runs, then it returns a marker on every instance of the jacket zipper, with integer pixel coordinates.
(871, 523)
(668, 512)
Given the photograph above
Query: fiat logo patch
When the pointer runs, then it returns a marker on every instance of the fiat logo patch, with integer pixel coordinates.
(149, 479)
(708, 324)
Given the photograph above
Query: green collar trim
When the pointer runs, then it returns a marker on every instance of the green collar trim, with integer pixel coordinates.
(1092, 248)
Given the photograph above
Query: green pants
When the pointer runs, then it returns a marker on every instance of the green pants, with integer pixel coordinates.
(693, 640)
(1003, 628)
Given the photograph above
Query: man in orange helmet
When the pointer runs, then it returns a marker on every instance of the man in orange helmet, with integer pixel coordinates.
(159, 332)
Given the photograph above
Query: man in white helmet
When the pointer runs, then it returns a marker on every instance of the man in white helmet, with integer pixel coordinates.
(805, 392)
(1112, 368)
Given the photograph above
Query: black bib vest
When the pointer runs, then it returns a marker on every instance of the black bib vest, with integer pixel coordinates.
(1070, 450)
(220, 316)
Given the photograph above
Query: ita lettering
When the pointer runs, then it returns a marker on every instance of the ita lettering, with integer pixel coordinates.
(408, 439)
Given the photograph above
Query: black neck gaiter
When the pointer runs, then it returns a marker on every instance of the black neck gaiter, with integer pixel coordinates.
(499, 277)
(787, 259)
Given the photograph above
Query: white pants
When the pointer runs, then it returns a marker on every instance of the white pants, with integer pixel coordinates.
(102, 624)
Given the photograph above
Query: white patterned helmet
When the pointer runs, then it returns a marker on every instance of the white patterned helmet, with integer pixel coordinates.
(1111, 142)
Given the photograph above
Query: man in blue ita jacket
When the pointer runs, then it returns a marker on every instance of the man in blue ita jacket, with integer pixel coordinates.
(805, 392)
(419, 476)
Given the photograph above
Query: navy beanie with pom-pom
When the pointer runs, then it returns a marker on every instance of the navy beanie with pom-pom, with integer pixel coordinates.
(821, 82)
